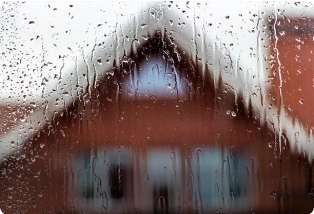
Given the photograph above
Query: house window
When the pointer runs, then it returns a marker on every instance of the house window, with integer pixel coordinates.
(219, 178)
(85, 176)
(103, 179)
(117, 180)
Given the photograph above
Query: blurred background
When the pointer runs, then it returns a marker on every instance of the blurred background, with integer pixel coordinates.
(159, 107)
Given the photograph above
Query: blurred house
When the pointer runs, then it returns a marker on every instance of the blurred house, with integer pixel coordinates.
(156, 135)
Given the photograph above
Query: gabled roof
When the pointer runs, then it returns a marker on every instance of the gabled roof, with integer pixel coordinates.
(189, 26)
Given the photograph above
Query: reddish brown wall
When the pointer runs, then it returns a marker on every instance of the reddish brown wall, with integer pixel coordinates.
(293, 55)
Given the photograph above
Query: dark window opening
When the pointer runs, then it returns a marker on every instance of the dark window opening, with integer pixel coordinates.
(161, 200)
(117, 181)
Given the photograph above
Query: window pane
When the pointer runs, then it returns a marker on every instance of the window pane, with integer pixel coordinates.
(158, 107)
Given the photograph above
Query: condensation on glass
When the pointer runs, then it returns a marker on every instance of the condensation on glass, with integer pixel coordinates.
(159, 107)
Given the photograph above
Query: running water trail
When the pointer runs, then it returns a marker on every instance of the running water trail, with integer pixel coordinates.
(281, 110)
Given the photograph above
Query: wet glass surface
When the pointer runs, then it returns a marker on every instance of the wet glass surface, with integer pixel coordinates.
(166, 128)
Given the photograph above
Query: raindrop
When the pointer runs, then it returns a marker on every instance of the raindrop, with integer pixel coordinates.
(143, 26)
(10, 196)
(218, 211)
(136, 211)
(99, 61)
(282, 33)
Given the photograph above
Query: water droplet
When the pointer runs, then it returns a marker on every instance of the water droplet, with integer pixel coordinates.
(136, 211)
(282, 33)
(10, 196)
(143, 26)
